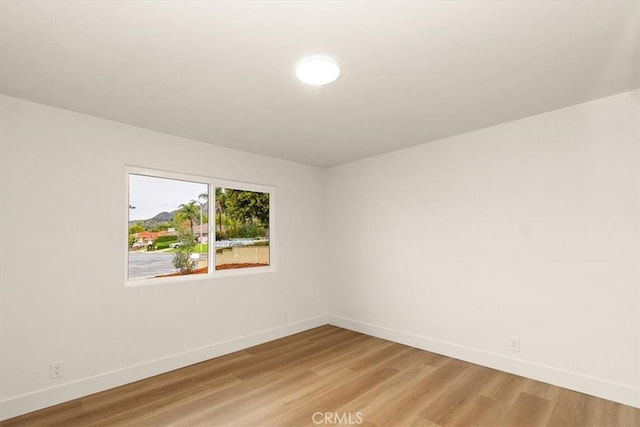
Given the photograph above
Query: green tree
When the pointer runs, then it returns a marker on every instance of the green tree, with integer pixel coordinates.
(163, 226)
(182, 257)
(248, 207)
(188, 212)
(221, 199)
(135, 228)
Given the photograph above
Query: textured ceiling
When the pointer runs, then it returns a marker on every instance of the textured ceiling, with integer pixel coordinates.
(223, 72)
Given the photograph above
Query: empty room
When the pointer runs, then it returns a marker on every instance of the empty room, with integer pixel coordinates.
(319, 213)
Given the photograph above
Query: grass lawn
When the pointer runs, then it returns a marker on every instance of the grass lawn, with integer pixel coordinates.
(196, 249)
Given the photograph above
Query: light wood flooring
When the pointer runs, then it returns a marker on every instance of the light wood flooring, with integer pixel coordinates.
(335, 377)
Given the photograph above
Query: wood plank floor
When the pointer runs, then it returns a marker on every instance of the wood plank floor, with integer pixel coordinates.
(332, 376)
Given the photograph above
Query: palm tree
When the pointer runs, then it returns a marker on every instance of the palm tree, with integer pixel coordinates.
(188, 212)
(220, 205)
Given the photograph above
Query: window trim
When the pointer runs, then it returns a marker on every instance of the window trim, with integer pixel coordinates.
(212, 183)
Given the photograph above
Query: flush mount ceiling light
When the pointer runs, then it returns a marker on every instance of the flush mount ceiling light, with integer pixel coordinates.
(317, 70)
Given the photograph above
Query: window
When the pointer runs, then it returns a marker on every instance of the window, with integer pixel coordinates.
(187, 227)
(242, 228)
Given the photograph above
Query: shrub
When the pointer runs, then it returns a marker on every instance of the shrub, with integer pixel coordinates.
(182, 261)
(163, 242)
(222, 235)
(250, 231)
(182, 257)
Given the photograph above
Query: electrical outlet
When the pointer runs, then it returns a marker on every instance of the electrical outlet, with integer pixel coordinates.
(55, 370)
(514, 343)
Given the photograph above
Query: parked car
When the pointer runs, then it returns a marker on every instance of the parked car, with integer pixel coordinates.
(176, 244)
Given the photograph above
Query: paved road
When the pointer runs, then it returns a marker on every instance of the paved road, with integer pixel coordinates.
(144, 264)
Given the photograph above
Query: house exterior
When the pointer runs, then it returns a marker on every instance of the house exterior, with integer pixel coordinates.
(144, 238)
(201, 232)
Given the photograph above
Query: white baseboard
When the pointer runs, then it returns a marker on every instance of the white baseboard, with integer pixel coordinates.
(599, 387)
(22, 404)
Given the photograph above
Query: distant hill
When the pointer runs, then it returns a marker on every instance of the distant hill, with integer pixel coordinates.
(163, 217)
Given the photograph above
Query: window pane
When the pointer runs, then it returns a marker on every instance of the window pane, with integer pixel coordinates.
(168, 227)
(242, 229)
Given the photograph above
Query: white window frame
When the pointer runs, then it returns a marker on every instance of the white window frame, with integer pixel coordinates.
(212, 183)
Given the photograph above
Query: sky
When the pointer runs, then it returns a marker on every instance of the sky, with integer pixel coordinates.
(151, 195)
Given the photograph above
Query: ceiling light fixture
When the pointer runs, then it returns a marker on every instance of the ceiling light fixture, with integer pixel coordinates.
(317, 70)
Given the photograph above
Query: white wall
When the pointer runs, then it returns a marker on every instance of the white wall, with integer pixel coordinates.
(529, 229)
(63, 185)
